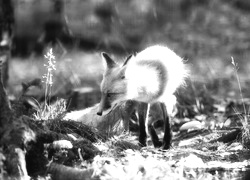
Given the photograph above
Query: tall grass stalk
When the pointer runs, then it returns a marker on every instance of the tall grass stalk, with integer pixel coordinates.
(245, 129)
(236, 68)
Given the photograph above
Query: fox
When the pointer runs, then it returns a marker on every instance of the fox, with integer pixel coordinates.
(150, 76)
(113, 123)
(123, 118)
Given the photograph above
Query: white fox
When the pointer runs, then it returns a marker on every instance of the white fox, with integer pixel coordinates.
(147, 77)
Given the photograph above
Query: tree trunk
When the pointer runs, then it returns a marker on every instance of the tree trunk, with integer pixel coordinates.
(6, 33)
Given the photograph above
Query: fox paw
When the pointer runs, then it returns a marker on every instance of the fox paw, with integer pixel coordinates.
(166, 146)
(157, 144)
(143, 144)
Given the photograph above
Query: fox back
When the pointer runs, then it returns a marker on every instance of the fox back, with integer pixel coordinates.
(151, 75)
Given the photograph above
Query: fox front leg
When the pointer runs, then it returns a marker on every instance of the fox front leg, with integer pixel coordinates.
(127, 110)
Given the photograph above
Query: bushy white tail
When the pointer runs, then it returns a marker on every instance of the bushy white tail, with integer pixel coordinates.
(154, 74)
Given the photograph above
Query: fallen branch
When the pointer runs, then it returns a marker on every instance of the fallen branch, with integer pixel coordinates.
(61, 172)
(233, 135)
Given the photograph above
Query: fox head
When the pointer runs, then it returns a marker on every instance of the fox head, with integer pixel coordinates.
(113, 85)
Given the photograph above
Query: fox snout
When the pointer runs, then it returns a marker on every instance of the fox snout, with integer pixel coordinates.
(99, 112)
(104, 105)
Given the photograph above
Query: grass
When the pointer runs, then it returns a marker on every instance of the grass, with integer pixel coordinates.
(149, 163)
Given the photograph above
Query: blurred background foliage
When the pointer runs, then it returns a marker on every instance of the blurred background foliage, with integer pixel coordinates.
(206, 33)
(193, 28)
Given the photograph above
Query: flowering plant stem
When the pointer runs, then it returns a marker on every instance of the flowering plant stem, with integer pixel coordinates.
(49, 77)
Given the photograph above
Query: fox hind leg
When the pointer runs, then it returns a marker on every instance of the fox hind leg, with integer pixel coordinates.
(167, 138)
(154, 116)
(127, 111)
(154, 137)
(142, 113)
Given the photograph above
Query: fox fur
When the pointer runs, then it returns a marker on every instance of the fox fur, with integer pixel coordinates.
(110, 124)
(153, 75)
(119, 119)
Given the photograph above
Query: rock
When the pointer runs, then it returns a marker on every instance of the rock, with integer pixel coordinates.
(192, 125)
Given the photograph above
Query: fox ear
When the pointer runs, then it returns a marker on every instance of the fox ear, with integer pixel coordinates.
(128, 58)
(109, 61)
(122, 72)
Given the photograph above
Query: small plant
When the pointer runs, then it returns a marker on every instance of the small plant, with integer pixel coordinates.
(53, 111)
(48, 80)
(49, 76)
(45, 111)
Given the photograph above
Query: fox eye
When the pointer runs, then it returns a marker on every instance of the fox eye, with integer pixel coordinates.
(123, 77)
(109, 95)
